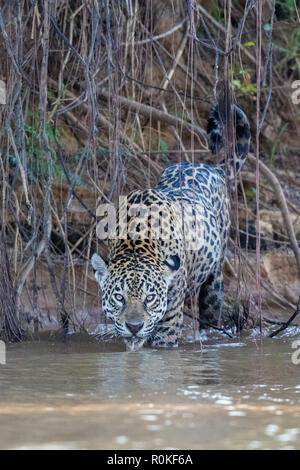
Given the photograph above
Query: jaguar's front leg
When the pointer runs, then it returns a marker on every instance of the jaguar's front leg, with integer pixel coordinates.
(168, 331)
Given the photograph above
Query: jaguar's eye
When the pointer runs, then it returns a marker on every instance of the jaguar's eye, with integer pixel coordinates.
(150, 298)
(119, 297)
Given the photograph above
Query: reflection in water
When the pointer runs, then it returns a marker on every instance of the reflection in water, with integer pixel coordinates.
(228, 394)
(145, 372)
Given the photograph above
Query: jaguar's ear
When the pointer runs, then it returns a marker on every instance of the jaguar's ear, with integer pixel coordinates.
(171, 265)
(100, 268)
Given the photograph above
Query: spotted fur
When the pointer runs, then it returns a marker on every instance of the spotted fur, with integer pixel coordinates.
(153, 271)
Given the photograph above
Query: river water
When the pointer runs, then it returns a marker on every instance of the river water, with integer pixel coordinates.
(241, 393)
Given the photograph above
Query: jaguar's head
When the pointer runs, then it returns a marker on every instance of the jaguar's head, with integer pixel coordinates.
(135, 294)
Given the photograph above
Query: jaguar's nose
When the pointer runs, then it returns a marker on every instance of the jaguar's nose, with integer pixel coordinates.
(134, 327)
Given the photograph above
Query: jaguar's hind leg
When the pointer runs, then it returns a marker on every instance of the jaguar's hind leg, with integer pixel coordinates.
(211, 298)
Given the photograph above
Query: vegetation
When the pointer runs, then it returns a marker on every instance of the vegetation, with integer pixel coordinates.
(100, 97)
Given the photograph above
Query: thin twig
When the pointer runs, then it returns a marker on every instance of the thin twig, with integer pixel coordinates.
(285, 325)
(156, 114)
(159, 36)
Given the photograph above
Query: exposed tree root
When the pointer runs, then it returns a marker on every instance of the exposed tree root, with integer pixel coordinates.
(282, 204)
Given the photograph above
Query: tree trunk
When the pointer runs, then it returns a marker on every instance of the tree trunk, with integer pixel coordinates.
(10, 329)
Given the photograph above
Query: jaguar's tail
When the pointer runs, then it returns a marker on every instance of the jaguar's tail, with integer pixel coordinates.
(220, 126)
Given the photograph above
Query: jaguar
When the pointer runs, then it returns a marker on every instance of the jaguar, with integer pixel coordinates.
(170, 242)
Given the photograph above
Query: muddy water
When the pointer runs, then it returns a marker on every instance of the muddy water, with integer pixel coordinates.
(81, 394)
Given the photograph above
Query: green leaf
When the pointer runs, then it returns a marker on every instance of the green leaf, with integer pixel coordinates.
(249, 44)
(163, 147)
(237, 83)
(249, 89)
